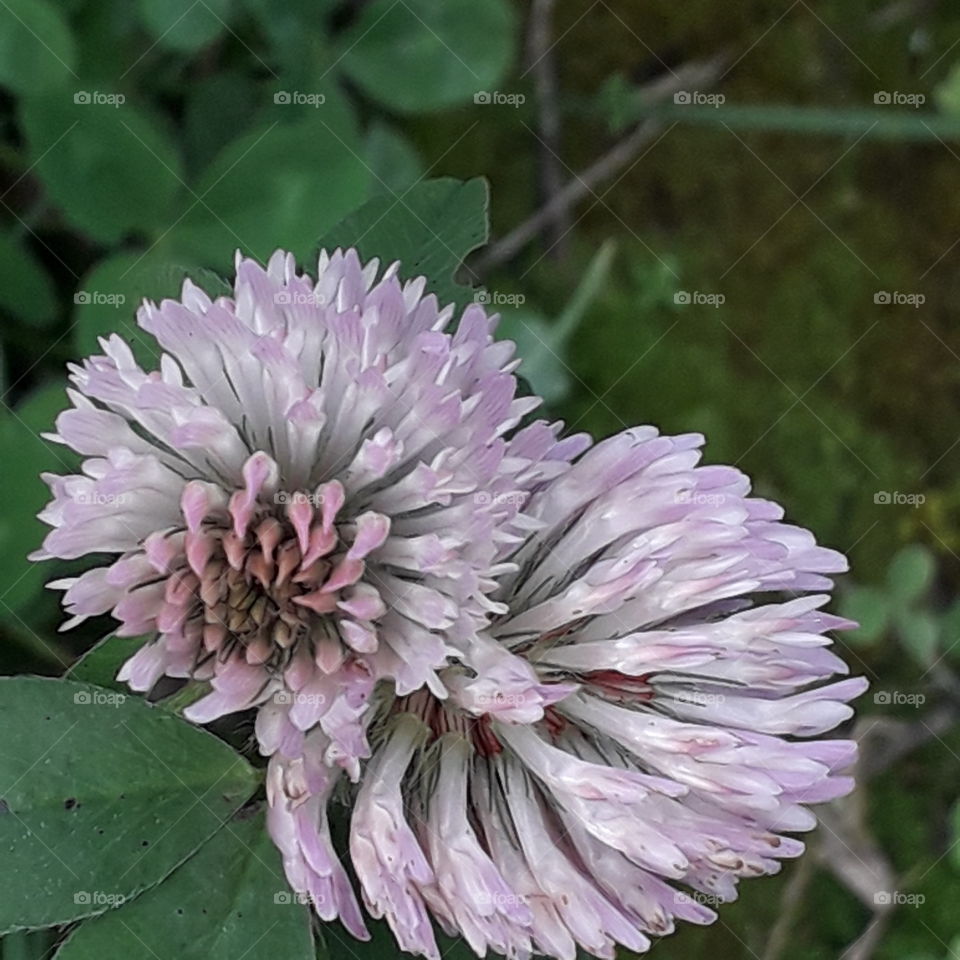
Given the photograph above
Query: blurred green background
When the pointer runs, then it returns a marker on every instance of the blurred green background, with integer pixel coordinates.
(740, 219)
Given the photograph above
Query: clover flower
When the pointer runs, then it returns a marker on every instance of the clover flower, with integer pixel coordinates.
(636, 731)
(305, 499)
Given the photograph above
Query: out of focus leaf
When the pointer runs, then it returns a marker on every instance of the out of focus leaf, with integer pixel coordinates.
(25, 288)
(276, 187)
(228, 901)
(431, 228)
(421, 55)
(869, 607)
(543, 345)
(36, 48)
(911, 573)
(111, 170)
(947, 93)
(103, 797)
(218, 110)
(392, 159)
(185, 25)
(919, 634)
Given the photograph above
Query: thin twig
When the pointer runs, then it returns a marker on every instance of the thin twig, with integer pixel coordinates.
(549, 171)
(699, 74)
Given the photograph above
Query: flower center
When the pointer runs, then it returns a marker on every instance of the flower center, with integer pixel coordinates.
(261, 578)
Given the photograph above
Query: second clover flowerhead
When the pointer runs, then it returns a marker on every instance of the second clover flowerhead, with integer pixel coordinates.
(568, 693)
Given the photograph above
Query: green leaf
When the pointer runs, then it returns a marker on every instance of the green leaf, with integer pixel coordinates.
(543, 345)
(109, 168)
(101, 663)
(102, 797)
(950, 631)
(229, 901)
(947, 92)
(430, 229)
(919, 634)
(36, 47)
(25, 287)
(185, 25)
(870, 607)
(218, 109)
(953, 851)
(108, 297)
(392, 159)
(420, 55)
(276, 187)
(27, 455)
(911, 573)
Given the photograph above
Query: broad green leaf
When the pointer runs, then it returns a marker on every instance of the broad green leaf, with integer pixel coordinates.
(911, 573)
(110, 169)
(276, 187)
(392, 159)
(25, 287)
(102, 797)
(26, 456)
(418, 55)
(229, 901)
(108, 297)
(185, 25)
(36, 47)
(869, 607)
(430, 228)
(101, 663)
